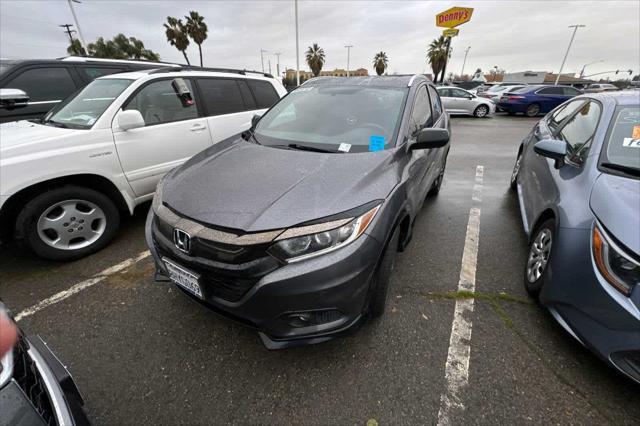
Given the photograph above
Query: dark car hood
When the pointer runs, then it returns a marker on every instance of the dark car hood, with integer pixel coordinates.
(615, 201)
(249, 187)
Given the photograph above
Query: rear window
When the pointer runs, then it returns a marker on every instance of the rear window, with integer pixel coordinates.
(521, 90)
(264, 93)
(623, 142)
(221, 96)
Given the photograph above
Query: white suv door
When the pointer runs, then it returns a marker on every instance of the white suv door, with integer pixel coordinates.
(172, 134)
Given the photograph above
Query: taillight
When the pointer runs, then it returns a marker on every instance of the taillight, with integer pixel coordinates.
(515, 98)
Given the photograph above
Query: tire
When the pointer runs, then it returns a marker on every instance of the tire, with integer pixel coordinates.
(511, 113)
(435, 188)
(536, 266)
(89, 220)
(513, 183)
(380, 285)
(532, 110)
(481, 111)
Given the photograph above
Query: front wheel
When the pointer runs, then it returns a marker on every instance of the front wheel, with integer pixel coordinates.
(380, 285)
(513, 183)
(68, 223)
(536, 268)
(481, 111)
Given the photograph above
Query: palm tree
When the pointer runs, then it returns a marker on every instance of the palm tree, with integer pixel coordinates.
(177, 35)
(315, 58)
(197, 30)
(76, 49)
(437, 56)
(380, 62)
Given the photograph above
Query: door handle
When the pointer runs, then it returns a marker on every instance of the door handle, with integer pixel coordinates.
(197, 127)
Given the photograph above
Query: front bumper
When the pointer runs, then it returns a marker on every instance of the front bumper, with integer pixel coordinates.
(41, 390)
(332, 289)
(589, 308)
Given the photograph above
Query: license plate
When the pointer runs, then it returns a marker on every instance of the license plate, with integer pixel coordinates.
(184, 278)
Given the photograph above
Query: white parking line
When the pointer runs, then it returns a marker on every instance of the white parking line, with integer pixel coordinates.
(58, 297)
(457, 366)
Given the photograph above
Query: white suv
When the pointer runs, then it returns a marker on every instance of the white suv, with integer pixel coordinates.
(65, 179)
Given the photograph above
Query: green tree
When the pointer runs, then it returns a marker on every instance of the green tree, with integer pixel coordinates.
(76, 49)
(197, 30)
(121, 47)
(315, 58)
(437, 56)
(177, 35)
(380, 62)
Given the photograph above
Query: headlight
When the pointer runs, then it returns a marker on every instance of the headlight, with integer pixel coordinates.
(615, 265)
(311, 245)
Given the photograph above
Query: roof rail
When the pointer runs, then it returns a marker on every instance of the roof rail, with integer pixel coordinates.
(413, 78)
(191, 68)
(109, 60)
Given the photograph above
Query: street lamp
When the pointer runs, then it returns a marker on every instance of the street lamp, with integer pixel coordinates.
(586, 65)
(575, 29)
(466, 52)
(262, 52)
(75, 19)
(278, 63)
(297, 47)
(349, 46)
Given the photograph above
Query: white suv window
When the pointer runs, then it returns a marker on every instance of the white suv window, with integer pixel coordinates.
(158, 103)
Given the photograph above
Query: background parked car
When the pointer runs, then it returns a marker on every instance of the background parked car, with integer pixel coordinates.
(460, 101)
(533, 100)
(600, 87)
(47, 82)
(578, 181)
(65, 179)
(495, 92)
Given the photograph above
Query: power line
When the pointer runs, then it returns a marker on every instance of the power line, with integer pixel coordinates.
(69, 31)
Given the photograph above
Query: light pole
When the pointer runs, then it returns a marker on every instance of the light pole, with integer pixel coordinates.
(466, 52)
(586, 65)
(75, 19)
(575, 29)
(278, 63)
(349, 46)
(297, 48)
(262, 52)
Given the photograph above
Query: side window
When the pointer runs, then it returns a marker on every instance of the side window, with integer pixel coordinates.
(457, 93)
(221, 96)
(247, 96)
(445, 93)
(158, 103)
(561, 113)
(421, 114)
(436, 104)
(579, 130)
(44, 84)
(570, 91)
(551, 91)
(264, 93)
(94, 72)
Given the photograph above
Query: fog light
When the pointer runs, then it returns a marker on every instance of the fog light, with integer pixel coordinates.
(306, 319)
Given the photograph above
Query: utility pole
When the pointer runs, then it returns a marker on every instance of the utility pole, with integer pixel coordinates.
(575, 29)
(349, 46)
(269, 66)
(278, 63)
(262, 52)
(75, 19)
(586, 65)
(69, 31)
(297, 48)
(466, 52)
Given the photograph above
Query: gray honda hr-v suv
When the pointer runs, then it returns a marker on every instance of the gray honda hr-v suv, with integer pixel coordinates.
(293, 226)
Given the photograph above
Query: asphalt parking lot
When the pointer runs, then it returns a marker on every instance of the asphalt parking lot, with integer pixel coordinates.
(144, 353)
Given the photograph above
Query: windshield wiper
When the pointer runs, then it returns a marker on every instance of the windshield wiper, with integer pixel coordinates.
(621, 168)
(55, 123)
(310, 148)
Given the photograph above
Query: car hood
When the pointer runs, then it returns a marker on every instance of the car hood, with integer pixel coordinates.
(614, 201)
(249, 187)
(20, 133)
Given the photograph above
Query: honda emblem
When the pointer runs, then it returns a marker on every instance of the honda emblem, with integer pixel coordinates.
(182, 240)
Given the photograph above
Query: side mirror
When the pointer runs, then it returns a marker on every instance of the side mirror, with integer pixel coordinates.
(254, 120)
(130, 119)
(13, 98)
(552, 148)
(431, 138)
(471, 96)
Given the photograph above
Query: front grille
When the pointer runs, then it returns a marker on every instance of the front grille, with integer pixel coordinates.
(28, 378)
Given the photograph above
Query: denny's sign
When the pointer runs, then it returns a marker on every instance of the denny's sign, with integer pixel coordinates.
(453, 17)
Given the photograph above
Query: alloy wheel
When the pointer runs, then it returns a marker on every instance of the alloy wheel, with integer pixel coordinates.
(539, 255)
(71, 224)
(482, 111)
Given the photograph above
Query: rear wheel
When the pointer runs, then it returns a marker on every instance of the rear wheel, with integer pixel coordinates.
(481, 111)
(380, 290)
(68, 223)
(536, 268)
(513, 184)
(435, 188)
(532, 110)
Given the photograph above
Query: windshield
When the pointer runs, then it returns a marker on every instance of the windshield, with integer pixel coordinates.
(623, 143)
(335, 118)
(80, 111)
(5, 65)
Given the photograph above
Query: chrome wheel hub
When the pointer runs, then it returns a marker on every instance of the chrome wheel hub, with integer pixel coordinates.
(539, 255)
(71, 224)
(482, 111)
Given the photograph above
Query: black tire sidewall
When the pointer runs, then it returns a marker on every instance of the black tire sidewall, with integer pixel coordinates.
(526, 112)
(27, 220)
(513, 183)
(534, 289)
(382, 277)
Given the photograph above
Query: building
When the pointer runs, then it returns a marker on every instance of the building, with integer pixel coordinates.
(306, 75)
(544, 77)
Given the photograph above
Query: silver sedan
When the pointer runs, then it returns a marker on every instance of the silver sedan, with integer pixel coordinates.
(460, 101)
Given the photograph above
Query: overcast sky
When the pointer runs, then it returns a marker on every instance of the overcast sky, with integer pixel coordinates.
(514, 35)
